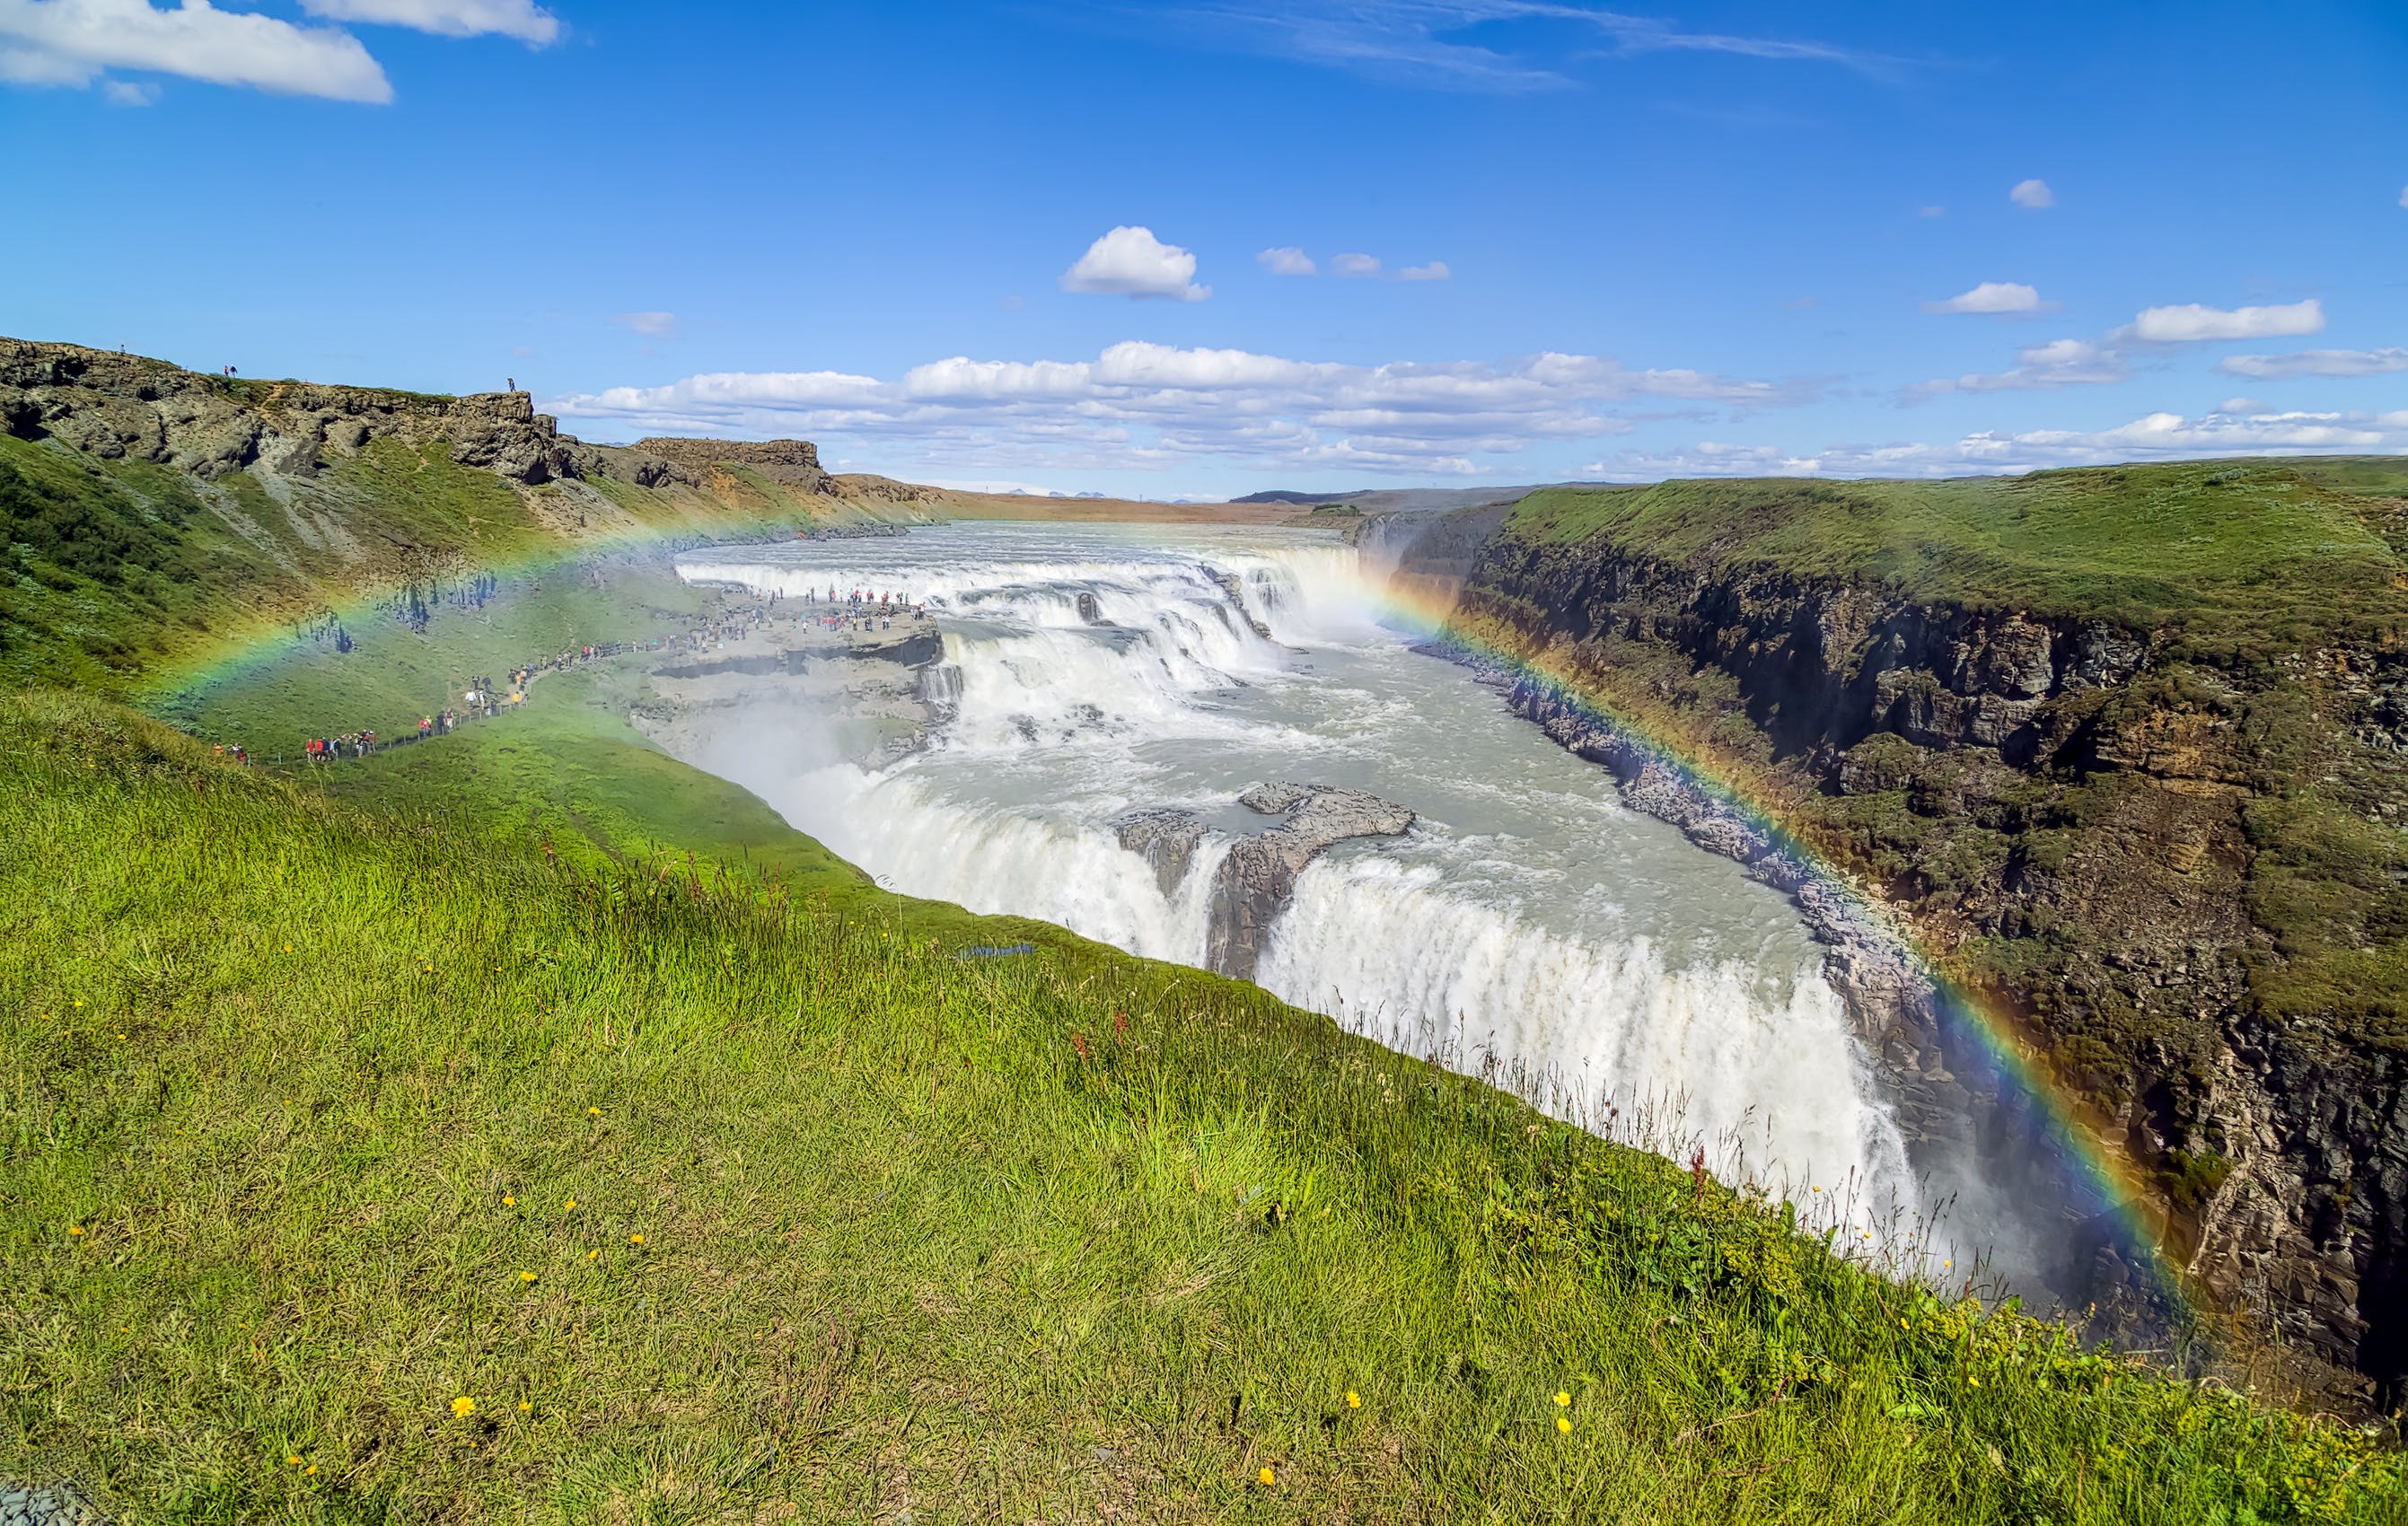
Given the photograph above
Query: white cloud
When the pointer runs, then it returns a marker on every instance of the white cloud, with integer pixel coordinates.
(2192, 323)
(526, 20)
(1131, 261)
(1143, 405)
(2156, 436)
(1434, 271)
(71, 42)
(651, 325)
(2403, 195)
(1933, 211)
(2034, 195)
(1354, 265)
(128, 93)
(1287, 260)
(2059, 362)
(1991, 297)
(2317, 363)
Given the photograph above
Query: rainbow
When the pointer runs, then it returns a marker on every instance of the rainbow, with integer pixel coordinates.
(253, 650)
(2098, 1183)
(2101, 1184)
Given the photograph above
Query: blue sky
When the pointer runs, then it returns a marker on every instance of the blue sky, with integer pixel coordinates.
(1035, 243)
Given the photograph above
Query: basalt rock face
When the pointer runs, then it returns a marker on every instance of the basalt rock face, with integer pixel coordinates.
(117, 406)
(1255, 882)
(1166, 838)
(793, 463)
(2097, 823)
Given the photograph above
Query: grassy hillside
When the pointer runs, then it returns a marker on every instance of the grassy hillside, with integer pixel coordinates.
(525, 1126)
(295, 1099)
(2241, 554)
(125, 571)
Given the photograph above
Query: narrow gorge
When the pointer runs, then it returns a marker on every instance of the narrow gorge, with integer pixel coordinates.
(1223, 748)
(2159, 839)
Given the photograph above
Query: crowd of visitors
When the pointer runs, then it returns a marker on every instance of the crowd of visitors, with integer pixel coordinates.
(858, 611)
(483, 699)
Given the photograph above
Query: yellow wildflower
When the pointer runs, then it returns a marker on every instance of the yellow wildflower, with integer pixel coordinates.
(1564, 1423)
(1562, 1399)
(570, 1204)
(288, 947)
(1972, 1381)
(292, 1461)
(591, 1255)
(635, 1239)
(310, 1469)
(526, 1276)
(75, 1229)
(464, 1407)
(593, 1112)
(508, 1202)
(1354, 1400)
(1267, 1478)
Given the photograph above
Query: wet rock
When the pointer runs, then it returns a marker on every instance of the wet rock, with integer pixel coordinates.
(1166, 838)
(1235, 592)
(1256, 880)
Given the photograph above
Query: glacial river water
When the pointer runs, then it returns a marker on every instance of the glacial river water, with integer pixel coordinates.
(1529, 917)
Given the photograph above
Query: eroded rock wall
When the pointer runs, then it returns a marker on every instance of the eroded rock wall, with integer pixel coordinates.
(2075, 814)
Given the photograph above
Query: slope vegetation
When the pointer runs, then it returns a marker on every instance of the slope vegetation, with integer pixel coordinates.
(362, 1168)
(524, 1126)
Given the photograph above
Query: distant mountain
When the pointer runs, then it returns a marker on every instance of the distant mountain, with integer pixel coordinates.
(1395, 500)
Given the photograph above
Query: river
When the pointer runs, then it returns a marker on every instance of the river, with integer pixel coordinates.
(1529, 923)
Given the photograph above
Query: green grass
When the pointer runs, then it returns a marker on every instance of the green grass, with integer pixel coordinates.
(2240, 556)
(917, 1232)
(122, 576)
(300, 1069)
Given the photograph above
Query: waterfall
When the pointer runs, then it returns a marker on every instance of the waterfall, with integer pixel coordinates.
(1529, 928)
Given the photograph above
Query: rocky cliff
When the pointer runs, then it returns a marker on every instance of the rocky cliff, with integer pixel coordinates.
(148, 512)
(2152, 819)
(793, 463)
(113, 406)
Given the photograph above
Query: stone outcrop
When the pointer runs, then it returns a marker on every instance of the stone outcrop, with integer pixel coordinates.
(2081, 811)
(1253, 883)
(117, 406)
(1166, 838)
(795, 463)
(1259, 876)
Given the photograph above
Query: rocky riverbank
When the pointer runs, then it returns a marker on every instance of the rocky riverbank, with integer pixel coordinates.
(2153, 846)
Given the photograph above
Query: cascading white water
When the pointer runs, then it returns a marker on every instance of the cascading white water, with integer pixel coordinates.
(1530, 924)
